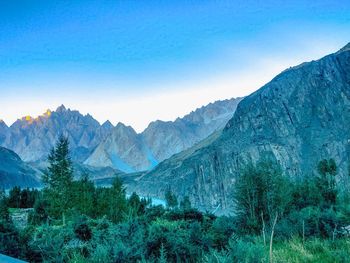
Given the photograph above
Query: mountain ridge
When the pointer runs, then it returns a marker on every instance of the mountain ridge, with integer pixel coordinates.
(300, 117)
(132, 152)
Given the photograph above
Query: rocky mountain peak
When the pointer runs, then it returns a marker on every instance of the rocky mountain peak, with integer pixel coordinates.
(3, 124)
(61, 109)
(107, 125)
(122, 127)
(28, 119)
(47, 113)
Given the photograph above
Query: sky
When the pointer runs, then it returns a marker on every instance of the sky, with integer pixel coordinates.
(139, 61)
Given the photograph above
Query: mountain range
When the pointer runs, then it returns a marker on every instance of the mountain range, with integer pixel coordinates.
(298, 118)
(33, 138)
(128, 151)
(119, 147)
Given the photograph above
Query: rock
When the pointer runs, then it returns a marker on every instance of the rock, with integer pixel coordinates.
(127, 151)
(33, 138)
(300, 117)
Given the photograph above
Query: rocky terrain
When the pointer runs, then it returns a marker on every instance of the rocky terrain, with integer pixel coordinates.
(300, 117)
(128, 151)
(33, 138)
(14, 172)
(117, 147)
(4, 130)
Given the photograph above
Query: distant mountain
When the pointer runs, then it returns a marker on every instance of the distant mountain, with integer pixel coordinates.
(299, 118)
(4, 131)
(128, 151)
(167, 138)
(32, 138)
(122, 149)
(119, 147)
(14, 172)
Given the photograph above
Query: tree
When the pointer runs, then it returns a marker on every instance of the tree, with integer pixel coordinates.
(58, 178)
(137, 205)
(261, 191)
(118, 202)
(170, 199)
(83, 195)
(4, 212)
(326, 183)
(14, 197)
(185, 204)
(162, 254)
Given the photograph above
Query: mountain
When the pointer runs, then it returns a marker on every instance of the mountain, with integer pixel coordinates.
(32, 138)
(4, 130)
(14, 172)
(167, 138)
(128, 151)
(122, 149)
(299, 118)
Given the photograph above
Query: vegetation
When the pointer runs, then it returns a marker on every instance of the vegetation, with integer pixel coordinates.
(277, 220)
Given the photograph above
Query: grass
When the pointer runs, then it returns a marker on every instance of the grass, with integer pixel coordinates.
(313, 250)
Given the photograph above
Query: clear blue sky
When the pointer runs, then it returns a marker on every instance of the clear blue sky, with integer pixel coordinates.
(136, 61)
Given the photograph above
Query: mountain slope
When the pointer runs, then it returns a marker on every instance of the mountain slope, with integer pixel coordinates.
(125, 150)
(14, 172)
(4, 130)
(32, 138)
(122, 149)
(167, 138)
(300, 117)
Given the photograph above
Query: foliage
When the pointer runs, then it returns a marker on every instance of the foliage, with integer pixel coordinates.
(103, 225)
(261, 191)
(171, 199)
(22, 198)
(58, 178)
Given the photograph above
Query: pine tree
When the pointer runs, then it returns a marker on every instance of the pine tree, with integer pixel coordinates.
(170, 199)
(83, 192)
(185, 204)
(162, 254)
(58, 178)
(4, 212)
(118, 202)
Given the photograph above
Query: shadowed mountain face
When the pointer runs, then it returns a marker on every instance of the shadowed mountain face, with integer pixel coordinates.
(32, 139)
(299, 118)
(14, 172)
(4, 130)
(128, 151)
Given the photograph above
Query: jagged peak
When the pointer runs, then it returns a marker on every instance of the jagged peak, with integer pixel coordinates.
(61, 108)
(122, 127)
(3, 123)
(28, 119)
(107, 124)
(47, 113)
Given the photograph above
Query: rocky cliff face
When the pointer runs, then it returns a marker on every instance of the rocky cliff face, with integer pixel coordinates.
(32, 138)
(300, 117)
(14, 172)
(127, 151)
